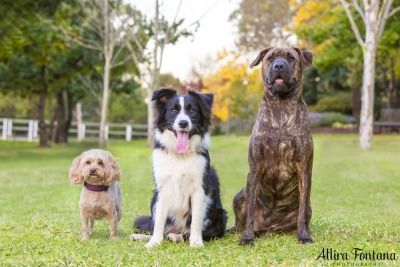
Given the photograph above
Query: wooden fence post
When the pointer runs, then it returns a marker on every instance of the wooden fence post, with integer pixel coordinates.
(30, 130)
(81, 131)
(4, 133)
(106, 132)
(128, 135)
(35, 129)
(9, 128)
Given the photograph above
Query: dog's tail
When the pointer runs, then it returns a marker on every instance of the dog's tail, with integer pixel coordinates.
(144, 224)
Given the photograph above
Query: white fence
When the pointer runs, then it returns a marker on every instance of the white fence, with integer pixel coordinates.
(22, 129)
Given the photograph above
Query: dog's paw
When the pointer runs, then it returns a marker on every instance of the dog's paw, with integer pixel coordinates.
(139, 237)
(307, 240)
(153, 243)
(304, 237)
(196, 243)
(85, 237)
(175, 238)
(233, 230)
(247, 239)
(246, 242)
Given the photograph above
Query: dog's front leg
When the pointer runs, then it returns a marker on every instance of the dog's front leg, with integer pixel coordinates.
(248, 236)
(160, 217)
(114, 226)
(199, 207)
(303, 221)
(86, 231)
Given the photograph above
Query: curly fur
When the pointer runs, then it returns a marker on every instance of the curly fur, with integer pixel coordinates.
(98, 168)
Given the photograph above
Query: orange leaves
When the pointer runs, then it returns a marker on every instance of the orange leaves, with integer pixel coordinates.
(232, 84)
(312, 12)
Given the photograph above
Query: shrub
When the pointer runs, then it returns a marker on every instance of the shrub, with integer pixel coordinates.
(339, 125)
(340, 103)
(330, 119)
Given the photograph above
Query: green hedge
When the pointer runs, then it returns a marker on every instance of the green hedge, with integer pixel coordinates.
(329, 119)
(340, 103)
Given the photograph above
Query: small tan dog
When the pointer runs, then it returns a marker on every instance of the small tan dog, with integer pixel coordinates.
(101, 195)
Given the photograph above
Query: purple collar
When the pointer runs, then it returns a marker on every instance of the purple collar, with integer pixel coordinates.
(96, 188)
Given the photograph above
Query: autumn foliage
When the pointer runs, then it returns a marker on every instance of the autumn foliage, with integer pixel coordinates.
(237, 89)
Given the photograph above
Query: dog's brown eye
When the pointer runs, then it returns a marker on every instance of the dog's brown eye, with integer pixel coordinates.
(100, 162)
(270, 58)
(192, 110)
(174, 111)
(88, 162)
(291, 58)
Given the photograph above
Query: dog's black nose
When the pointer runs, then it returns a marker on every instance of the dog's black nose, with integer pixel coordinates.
(183, 124)
(92, 171)
(278, 66)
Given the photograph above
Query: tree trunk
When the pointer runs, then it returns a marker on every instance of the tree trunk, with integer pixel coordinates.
(59, 130)
(43, 136)
(367, 93)
(108, 52)
(104, 104)
(356, 103)
(374, 14)
(150, 119)
(68, 121)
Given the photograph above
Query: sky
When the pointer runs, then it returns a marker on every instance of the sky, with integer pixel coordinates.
(214, 34)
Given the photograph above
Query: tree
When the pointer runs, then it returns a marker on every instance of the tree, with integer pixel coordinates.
(107, 26)
(237, 90)
(322, 26)
(374, 16)
(261, 23)
(163, 33)
(29, 45)
(168, 80)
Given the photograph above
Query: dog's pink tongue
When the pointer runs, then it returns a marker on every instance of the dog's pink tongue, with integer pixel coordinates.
(182, 142)
(279, 80)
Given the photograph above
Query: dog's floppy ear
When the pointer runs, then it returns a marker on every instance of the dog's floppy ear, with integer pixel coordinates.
(113, 172)
(305, 58)
(259, 57)
(163, 94)
(75, 171)
(206, 102)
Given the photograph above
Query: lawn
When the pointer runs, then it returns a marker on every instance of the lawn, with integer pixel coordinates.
(355, 199)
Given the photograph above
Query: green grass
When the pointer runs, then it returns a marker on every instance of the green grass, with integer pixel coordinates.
(355, 200)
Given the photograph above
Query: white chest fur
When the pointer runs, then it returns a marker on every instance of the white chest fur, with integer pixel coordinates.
(177, 179)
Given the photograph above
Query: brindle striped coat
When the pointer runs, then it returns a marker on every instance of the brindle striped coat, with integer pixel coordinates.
(277, 193)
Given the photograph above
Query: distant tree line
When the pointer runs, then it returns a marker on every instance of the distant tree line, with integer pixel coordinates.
(324, 27)
(90, 57)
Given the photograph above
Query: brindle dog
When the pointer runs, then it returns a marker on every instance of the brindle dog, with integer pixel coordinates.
(277, 193)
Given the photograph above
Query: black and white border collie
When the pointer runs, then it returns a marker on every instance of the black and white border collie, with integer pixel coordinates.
(186, 199)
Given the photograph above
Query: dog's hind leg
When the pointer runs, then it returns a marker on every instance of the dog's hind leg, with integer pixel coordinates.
(239, 211)
(140, 237)
(90, 226)
(216, 224)
(278, 227)
(175, 238)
